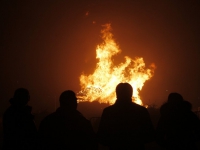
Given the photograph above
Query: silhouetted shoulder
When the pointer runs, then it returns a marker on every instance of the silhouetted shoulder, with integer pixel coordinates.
(183, 106)
(139, 107)
(164, 109)
(49, 118)
(128, 105)
(108, 108)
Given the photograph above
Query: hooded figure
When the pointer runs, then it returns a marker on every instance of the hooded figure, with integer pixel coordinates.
(19, 130)
(178, 127)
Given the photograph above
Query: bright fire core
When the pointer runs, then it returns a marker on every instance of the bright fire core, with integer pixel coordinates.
(100, 86)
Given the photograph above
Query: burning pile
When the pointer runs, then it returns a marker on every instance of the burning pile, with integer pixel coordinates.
(100, 86)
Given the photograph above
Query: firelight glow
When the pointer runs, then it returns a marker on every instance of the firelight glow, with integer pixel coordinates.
(100, 86)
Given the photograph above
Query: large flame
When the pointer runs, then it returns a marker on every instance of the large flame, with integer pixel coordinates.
(100, 86)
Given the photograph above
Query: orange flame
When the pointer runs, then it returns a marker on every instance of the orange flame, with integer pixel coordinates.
(100, 86)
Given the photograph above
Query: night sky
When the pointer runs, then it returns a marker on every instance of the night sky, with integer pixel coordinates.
(46, 45)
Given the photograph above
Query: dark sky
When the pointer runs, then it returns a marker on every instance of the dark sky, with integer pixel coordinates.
(46, 45)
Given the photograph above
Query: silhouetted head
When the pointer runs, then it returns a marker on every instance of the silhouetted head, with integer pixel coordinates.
(124, 91)
(21, 97)
(175, 98)
(68, 99)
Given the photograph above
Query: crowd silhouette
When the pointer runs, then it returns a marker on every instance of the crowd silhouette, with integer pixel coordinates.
(124, 125)
(178, 126)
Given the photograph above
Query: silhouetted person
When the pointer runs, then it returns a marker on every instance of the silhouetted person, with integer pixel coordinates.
(19, 130)
(66, 128)
(178, 127)
(125, 125)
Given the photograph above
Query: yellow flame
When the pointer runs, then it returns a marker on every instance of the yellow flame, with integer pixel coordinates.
(100, 86)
